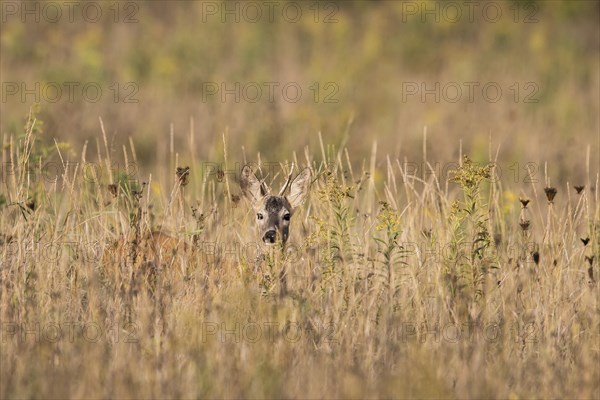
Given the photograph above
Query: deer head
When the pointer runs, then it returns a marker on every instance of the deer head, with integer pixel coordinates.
(274, 213)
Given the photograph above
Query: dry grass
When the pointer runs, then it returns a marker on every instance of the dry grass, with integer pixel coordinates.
(399, 287)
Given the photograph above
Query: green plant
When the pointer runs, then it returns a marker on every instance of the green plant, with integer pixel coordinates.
(335, 228)
(470, 240)
(392, 253)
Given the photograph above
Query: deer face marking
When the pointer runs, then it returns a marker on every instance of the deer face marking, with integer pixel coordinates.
(274, 213)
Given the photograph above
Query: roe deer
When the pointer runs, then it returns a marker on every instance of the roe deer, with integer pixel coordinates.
(273, 213)
(131, 260)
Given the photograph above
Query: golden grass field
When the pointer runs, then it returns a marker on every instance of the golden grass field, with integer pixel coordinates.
(446, 249)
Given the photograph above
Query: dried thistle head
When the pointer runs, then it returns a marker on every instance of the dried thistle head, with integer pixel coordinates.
(113, 189)
(183, 175)
(198, 214)
(536, 257)
(137, 194)
(30, 204)
(220, 175)
(579, 188)
(550, 193)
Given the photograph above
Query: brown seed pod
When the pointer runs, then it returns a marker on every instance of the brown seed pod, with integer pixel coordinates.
(235, 199)
(183, 175)
(30, 204)
(536, 257)
(550, 193)
(220, 175)
(590, 260)
(113, 189)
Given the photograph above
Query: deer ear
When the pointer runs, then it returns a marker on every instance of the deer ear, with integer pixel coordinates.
(299, 188)
(253, 189)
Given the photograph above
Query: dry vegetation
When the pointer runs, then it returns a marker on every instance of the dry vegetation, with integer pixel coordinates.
(456, 261)
(414, 288)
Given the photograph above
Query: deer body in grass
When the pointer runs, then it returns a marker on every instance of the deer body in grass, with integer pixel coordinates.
(273, 218)
(135, 261)
(274, 212)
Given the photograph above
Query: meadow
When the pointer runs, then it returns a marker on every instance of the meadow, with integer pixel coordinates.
(449, 247)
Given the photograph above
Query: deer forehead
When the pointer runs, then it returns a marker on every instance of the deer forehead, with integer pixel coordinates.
(274, 204)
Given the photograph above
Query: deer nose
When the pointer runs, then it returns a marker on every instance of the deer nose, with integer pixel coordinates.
(270, 236)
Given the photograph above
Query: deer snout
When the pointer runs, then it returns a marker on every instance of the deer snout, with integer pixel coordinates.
(270, 236)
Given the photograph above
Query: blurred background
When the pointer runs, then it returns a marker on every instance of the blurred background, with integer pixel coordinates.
(524, 75)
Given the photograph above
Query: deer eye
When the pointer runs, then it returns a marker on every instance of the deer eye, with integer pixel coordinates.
(259, 216)
(286, 217)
